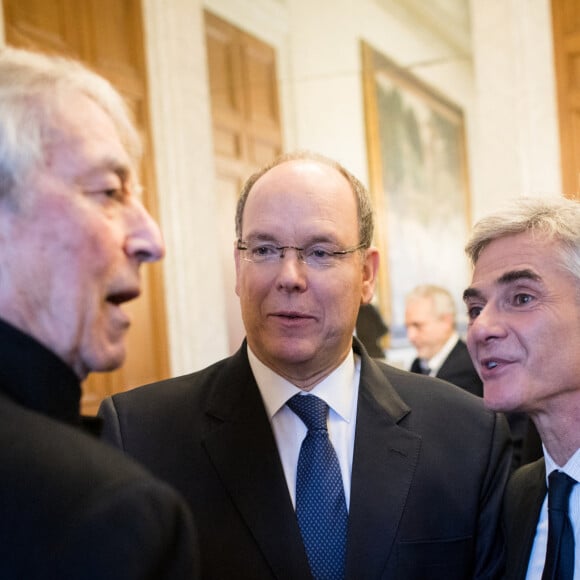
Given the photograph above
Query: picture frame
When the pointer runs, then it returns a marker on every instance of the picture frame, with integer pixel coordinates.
(418, 179)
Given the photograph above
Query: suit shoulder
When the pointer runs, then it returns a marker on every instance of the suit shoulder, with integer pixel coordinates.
(531, 474)
(174, 389)
(56, 451)
(424, 390)
(445, 407)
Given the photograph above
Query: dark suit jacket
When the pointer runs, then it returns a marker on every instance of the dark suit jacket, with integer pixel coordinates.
(428, 474)
(457, 369)
(70, 506)
(523, 500)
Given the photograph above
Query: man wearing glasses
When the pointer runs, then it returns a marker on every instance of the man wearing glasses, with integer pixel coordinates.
(299, 455)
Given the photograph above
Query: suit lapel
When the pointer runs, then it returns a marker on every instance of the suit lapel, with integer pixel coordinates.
(450, 364)
(244, 453)
(523, 502)
(385, 458)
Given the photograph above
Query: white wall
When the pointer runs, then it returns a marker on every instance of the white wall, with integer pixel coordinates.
(515, 133)
(182, 136)
(503, 80)
(505, 87)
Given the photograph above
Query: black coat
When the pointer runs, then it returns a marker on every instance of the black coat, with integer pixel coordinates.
(71, 507)
(429, 469)
(458, 370)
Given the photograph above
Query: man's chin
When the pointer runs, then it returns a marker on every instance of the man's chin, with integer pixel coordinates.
(494, 401)
(109, 359)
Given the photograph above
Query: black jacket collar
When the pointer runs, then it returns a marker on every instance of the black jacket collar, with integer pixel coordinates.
(34, 377)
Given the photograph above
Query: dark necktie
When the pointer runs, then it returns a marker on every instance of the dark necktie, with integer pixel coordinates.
(320, 502)
(560, 552)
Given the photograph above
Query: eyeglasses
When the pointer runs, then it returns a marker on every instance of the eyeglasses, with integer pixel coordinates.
(315, 256)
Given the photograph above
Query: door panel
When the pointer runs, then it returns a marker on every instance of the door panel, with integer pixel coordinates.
(247, 132)
(566, 27)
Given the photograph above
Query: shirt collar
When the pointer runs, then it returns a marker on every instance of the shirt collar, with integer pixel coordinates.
(436, 362)
(336, 390)
(571, 467)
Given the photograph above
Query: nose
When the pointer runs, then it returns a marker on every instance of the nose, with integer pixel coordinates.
(292, 271)
(487, 326)
(411, 334)
(144, 241)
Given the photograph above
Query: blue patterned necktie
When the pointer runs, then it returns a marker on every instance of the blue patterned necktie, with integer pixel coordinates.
(320, 501)
(560, 551)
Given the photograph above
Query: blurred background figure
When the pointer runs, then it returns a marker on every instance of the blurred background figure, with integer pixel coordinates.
(430, 321)
(370, 328)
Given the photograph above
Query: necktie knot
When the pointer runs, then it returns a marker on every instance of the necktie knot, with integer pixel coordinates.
(560, 487)
(311, 410)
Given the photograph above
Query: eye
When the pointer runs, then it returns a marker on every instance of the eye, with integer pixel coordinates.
(108, 194)
(118, 193)
(318, 252)
(264, 250)
(522, 299)
(473, 312)
(474, 308)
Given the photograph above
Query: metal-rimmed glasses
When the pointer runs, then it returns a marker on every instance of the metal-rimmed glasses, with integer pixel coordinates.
(316, 256)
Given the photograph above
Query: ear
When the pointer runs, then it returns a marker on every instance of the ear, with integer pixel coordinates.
(370, 269)
(237, 258)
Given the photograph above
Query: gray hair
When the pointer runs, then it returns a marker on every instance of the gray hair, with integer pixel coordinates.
(363, 199)
(549, 218)
(441, 298)
(32, 86)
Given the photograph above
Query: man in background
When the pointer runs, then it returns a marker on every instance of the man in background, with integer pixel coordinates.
(370, 329)
(300, 455)
(430, 321)
(523, 306)
(73, 235)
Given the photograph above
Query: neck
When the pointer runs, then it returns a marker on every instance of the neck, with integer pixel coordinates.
(559, 433)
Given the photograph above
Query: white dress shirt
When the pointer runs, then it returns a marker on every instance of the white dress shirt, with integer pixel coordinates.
(339, 391)
(540, 545)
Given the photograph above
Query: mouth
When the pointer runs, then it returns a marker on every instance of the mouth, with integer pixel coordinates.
(492, 364)
(292, 315)
(120, 297)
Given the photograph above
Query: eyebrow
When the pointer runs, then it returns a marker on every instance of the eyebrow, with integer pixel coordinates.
(504, 279)
(316, 239)
(110, 164)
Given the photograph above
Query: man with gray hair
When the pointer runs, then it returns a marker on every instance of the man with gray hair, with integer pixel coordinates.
(73, 235)
(523, 306)
(430, 321)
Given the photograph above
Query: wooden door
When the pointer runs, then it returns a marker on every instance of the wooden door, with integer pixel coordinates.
(247, 132)
(566, 27)
(106, 35)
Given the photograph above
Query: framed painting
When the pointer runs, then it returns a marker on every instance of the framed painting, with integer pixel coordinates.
(419, 182)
